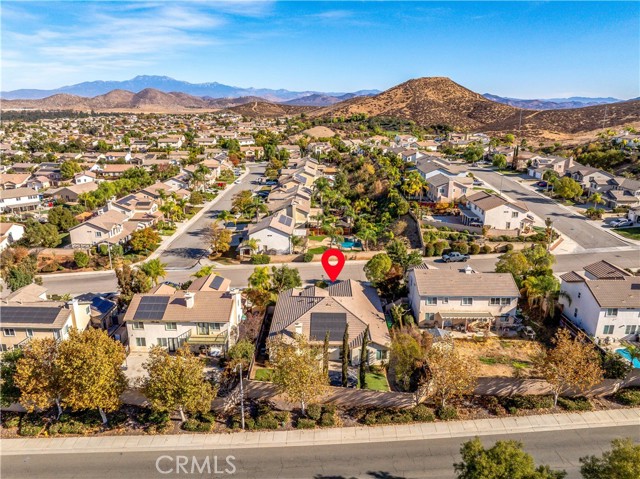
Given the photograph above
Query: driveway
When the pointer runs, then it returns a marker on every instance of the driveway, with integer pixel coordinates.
(566, 221)
(191, 245)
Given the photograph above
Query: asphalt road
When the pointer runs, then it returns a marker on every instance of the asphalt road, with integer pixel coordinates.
(566, 221)
(392, 460)
(103, 282)
(187, 248)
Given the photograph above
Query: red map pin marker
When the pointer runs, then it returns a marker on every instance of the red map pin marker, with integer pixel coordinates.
(333, 270)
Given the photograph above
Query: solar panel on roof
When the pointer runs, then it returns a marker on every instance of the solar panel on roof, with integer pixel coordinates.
(151, 307)
(335, 323)
(15, 314)
(217, 282)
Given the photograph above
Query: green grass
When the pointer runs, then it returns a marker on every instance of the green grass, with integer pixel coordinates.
(631, 233)
(65, 239)
(318, 250)
(166, 231)
(317, 238)
(263, 374)
(376, 382)
(486, 190)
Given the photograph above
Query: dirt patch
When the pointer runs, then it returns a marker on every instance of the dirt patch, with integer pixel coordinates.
(500, 357)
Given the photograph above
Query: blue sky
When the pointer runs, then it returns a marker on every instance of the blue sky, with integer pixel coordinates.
(518, 49)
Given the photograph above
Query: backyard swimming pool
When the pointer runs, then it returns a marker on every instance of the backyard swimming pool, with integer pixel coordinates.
(625, 354)
(351, 244)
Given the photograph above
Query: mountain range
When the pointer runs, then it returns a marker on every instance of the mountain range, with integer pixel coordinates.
(215, 90)
(426, 101)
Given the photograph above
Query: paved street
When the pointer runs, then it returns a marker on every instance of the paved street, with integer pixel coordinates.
(566, 221)
(187, 248)
(106, 282)
(383, 460)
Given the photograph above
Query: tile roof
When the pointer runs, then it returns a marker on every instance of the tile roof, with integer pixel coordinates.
(624, 293)
(605, 270)
(442, 282)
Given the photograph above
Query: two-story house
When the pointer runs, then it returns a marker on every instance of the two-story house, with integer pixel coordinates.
(494, 211)
(313, 312)
(444, 188)
(19, 200)
(206, 320)
(462, 299)
(110, 227)
(603, 300)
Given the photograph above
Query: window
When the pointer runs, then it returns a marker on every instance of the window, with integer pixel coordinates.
(630, 329)
(608, 329)
(137, 325)
(611, 312)
(163, 342)
(56, 334)
(514, 214)
(494, 301)
(467, 301)
(429, 316)
(444, 300)
(141, 342)
(380, 355)
(170, 326)
(505, 301)
(98, 234)
(432, 301)
(504, 319)
(29, 333)
(579, 294)
(3, 348)
(9, 332)
(88, 310)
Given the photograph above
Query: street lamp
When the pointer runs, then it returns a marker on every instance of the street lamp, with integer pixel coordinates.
(241, 395)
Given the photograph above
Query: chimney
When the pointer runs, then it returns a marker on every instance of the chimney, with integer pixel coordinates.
(190, 299)
(298, 328)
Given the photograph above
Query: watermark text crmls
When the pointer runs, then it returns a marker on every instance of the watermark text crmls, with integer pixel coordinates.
(193, 465)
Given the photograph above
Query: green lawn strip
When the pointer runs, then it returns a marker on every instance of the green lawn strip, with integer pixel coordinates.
(631, 233)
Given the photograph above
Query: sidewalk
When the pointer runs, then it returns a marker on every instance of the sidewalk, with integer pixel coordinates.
(345, 435)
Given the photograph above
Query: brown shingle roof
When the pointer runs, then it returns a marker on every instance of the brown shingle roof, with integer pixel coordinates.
(442, 282)
(605, 270)
(616, 294)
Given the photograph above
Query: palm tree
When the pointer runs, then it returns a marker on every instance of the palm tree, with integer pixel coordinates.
(226, 216)
(260, 278)
(297, 241)
(154, 269)
(542, 291)
(367, 233)
(252, 244)
(596, 199)
(259, 207)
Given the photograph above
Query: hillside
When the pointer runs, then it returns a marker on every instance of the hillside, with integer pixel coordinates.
(550, 104)
(438, 100)
(427, 101)
(266, 109)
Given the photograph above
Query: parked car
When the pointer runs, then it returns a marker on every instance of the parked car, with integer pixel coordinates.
(620, 223)
(477, 182)
(542, 184)
(237, 182)
(454, 257)
(477, 223)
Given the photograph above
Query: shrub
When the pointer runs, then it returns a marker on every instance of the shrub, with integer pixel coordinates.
(314, 411)
(69, 426)
(327, 420)
(158, 417)
(526, 402)
(329, 408)
(260, 259)
(447, 413)
(307, 257)
(508, 247)
(460, 246)
(422, 413)
(283, 417)
(103, 249)
(384, 418)
(402, 417)
(615, 367)
(494, 407)
(486, 249)
(371, 418)
(439, 247)
(474, 248)
(304, 423)
(31, 425)
(429, 249)
(628, 396)
(575, 404)
(11, 421)
(81, 259)
(193, 425)
(267, 421)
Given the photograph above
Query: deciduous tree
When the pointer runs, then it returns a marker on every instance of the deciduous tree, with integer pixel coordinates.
(284, 278)
(177, 382)
(450, 375)
(622, 462)
(9, 391)
(219, 238)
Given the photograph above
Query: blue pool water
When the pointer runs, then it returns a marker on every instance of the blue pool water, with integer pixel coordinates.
(625, 354)
(351, 244)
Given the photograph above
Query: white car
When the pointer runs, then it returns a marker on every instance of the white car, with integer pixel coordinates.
(237, 182)
(621, 223)
(478, 182)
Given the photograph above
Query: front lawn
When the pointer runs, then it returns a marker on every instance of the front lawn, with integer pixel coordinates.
(263, 374)
(376, 381)
(631, 233)
(318, 250)
(317, 238)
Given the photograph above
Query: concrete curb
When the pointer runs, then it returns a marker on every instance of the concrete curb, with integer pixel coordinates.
(318, 437)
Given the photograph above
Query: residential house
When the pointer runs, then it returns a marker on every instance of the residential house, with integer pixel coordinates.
(25, 318)
(273, 233)
(444, 188)
(634, 214)
(206, 320)
(494, 211)
(171, 141)
(72, 192)
(39, 182)
(9, 234)
(19, 200)
(540, 164)
(405, 141)
(110, 227)
(462, 299)
(313, 312)
(603, 300)
(11, 181)
(84, 177)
